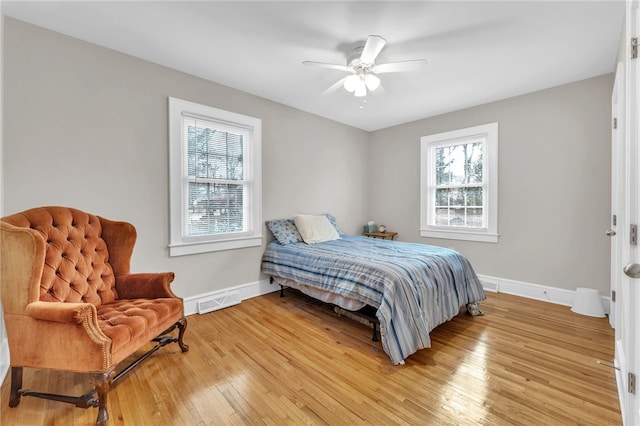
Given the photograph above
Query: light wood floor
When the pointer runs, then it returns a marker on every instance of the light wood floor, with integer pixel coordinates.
(273, 361)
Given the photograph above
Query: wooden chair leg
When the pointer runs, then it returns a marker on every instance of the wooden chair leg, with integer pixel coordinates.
(101, 383)
(182, 327)
(16, 385)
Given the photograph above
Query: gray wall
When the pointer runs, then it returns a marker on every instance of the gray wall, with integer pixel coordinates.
(87, 127)
(554, 184)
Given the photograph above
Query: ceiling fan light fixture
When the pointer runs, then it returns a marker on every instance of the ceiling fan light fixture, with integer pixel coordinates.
(350, 83)
(361, 88)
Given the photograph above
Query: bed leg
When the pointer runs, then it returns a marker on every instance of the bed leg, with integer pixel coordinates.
(281, 290)
(375, 332)
(474, 310)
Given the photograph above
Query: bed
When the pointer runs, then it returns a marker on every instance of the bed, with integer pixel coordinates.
(412, 287)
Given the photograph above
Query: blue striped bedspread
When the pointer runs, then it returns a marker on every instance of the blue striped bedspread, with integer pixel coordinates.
(414, 287)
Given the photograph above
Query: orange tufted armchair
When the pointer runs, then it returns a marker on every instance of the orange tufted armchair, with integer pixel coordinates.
(71, 303)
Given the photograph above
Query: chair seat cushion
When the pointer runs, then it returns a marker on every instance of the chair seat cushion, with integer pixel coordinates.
(131, 323)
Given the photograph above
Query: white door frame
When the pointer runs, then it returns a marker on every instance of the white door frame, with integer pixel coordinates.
(617, 220)
(627, 352)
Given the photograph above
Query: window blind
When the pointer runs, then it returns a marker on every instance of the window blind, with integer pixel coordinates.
(215, 178)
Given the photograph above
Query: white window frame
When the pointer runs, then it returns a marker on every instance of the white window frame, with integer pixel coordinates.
(488, 133)
(251, 128)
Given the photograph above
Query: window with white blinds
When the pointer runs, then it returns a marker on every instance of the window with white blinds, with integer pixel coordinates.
(459, 178)
(215, 179)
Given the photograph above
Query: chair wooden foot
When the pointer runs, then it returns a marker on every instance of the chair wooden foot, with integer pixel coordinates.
(182, 327)
(102, 383)
(16, 385)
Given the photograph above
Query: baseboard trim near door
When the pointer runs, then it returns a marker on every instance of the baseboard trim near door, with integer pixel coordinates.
(544, 293)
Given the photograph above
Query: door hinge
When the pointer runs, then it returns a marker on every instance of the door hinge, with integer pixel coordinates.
(634, 47)
(613, 295)
(615, 123)
(614, 220)
(633, 235)
(631, 383)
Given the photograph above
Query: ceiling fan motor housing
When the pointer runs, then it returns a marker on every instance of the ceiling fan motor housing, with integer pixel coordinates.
(355, 62)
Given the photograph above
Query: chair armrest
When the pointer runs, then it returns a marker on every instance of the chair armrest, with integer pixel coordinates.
(74, 316)
(145, 286)
(81, 314)
(60, 312)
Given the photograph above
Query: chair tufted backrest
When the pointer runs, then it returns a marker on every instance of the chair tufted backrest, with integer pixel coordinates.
(76, 265)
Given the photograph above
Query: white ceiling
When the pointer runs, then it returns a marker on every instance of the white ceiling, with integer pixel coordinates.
(477, 51)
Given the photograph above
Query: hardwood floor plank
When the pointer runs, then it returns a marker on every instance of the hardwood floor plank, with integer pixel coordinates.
(293, 361)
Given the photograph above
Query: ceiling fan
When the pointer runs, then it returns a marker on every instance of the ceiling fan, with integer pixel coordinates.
(363, 69)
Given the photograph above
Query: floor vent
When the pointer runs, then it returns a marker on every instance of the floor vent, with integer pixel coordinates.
(218, 301)
(490, 286)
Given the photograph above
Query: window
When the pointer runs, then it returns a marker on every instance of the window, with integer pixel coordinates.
(215, 183)
(459, 184)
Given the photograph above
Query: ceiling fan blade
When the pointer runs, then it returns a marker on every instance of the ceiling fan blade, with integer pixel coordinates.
(325, 65)
(372, 49)
(335, 86)
(399, 66)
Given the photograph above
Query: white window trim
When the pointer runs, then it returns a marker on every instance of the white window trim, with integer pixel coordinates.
(179, 243)
(427, 185)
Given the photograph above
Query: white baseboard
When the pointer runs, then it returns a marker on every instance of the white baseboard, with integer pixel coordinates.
(559, 296)
(247, 291)
(544, 293)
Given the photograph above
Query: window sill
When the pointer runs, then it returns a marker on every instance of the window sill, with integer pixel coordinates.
(485, 237)
(183, 249)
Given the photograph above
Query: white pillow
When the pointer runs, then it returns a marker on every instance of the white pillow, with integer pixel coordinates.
(315, 228)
